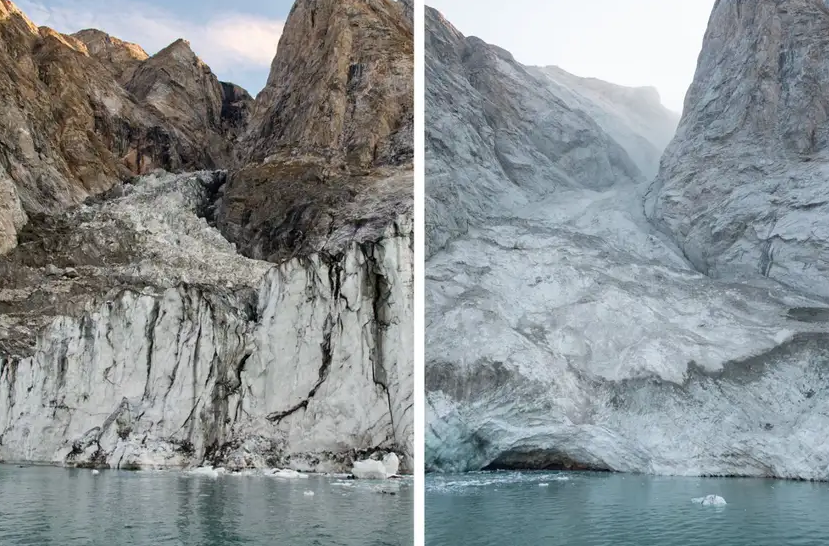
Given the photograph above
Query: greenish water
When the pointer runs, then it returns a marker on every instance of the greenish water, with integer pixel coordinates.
(45, 506)
(586, 509)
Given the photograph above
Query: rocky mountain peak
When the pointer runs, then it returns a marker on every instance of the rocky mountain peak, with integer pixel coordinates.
(120, 57)
(82, 112)
(68, 41)
(179, 85)
(102, 44)
(351, 59)
(329, 150)
(179, 52)
(9, 10)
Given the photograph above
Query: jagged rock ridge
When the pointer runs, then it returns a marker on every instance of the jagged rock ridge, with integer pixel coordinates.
(566, 331)
(634, 117)
(71, 127)
(120, 57)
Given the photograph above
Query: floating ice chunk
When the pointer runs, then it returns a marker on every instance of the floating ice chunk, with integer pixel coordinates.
(208, 471)
(710, 500)
(95, 472)
(544, 485)
(392, 464)
(369, 470)
(377, 470)
(309, 493)
(286, 474)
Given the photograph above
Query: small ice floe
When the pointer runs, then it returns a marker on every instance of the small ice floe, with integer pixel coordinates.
(376, 470)
(710, 500)
(95, 472)
(309, 493)
(286, 474)
(544, 485)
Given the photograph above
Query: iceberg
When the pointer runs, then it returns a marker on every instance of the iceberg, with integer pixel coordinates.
(710, 500)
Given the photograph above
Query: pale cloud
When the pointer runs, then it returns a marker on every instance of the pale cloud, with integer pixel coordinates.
(628, 42)
(228, 42)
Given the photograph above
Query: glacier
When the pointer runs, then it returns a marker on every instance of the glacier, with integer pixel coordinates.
(137, 337)
(566, 327)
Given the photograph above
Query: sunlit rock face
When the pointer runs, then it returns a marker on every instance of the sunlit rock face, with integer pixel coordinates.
(565, 330)
(84, 112)
(259, 315)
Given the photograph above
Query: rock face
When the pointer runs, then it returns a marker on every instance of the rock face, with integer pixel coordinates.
(178, 85)
(317, 177)
(119, 57)
(134, 334)
(634, 117)
(70, 129)
(355, 58)
(563, 329)
(743, 186)
(489, 120)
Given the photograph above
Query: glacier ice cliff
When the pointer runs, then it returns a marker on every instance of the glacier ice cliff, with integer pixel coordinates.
(568, 327)
(161, 346)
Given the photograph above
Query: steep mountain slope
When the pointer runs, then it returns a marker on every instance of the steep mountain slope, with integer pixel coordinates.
(178, 85)
(563, 330)
(119, 57)
(490, 119)
(634, 117)
(134, 334)
(69, 129)
(315, 177)
(743, 186)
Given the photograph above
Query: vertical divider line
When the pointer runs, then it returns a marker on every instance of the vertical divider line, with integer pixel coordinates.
(419, 274)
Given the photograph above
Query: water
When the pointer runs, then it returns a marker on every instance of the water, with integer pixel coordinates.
(585, 509)
(46, 506)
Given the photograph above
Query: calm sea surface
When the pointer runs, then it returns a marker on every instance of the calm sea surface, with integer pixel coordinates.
(585, 509)
(71, 507)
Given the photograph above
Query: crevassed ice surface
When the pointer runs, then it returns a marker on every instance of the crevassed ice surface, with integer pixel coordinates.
(564, 330)
(166, 347)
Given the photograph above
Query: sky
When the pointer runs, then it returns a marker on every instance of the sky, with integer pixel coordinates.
(627, 42)
(236, 39)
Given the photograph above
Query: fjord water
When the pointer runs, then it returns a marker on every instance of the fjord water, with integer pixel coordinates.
(45, 506)
(590, 509)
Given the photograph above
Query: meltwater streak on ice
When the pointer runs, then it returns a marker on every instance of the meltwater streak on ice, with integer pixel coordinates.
(594, 509)
(45, 506)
